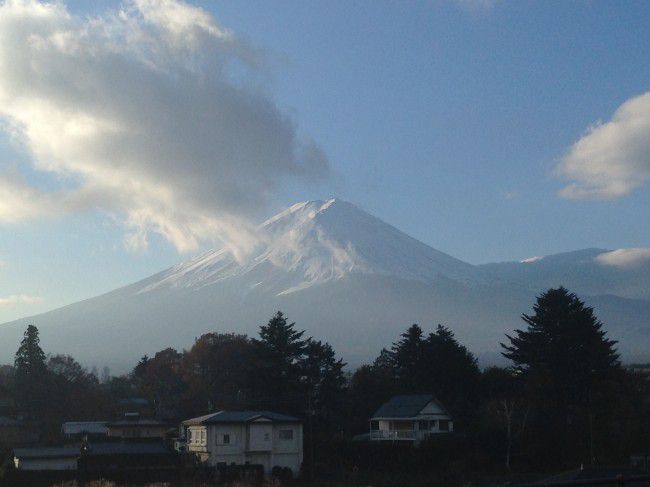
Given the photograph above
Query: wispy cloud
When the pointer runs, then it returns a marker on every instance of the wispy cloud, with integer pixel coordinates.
(625, 258)
(153, 112)
(16, 299)
(612, 159)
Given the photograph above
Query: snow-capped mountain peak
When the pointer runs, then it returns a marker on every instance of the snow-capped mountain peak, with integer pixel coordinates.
(318, 241)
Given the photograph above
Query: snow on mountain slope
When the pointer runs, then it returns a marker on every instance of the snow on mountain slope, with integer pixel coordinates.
(320, 241)
(345, 277)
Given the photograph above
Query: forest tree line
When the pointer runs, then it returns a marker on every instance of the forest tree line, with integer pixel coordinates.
(564, 398)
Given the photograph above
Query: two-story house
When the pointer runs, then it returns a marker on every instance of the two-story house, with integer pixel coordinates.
(240, 437)
(413, 417)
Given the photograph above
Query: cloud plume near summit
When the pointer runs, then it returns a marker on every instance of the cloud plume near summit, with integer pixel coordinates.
(153, 113)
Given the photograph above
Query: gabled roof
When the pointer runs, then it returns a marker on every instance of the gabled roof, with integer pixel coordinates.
(240, 417)
(405, 406)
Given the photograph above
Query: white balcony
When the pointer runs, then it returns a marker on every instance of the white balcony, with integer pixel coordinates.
(399, 435)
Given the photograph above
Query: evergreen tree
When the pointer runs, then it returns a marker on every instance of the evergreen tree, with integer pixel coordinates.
(406, 358)
(437, 364)
(570, 369)
(564, 344)
(323, 377)
(281, 351)
(451, 372)
(30, 372)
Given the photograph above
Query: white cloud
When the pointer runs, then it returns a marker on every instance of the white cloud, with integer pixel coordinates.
(153, 113)
(625, 258)
(612, 159)
(16, 299)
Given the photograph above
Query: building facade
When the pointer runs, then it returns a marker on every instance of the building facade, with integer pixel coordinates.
(240, 437)
(414, 417)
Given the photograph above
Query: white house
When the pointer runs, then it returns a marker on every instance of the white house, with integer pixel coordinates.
(240, 437)
(414, 417)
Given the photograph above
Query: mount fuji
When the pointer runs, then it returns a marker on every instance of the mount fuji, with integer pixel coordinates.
(346, 277)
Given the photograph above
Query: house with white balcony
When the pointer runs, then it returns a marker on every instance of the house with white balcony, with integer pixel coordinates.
(246, 437)
(413, 417)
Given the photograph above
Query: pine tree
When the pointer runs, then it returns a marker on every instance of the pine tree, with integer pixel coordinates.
(323, 377)
(281, 351)
(30, 372)
(570, 369)
(406, 358)
(30, 358)
(565, 344)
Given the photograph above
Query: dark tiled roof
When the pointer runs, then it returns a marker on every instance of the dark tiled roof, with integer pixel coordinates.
(137, 422)
(133, 401)
(80, 427)
(405, 406)
(46, 452)
(95, 449)
(240, 417)
(593, 473)
(7, 421)
(139, 448)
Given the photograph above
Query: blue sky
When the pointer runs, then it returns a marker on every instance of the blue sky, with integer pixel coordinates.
(450, 120)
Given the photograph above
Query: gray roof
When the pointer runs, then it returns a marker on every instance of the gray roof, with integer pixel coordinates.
(136, 422)
(54, 452)
(7, 421)
(405, 406)
(81, 427)
(127, 448)
(115, 448)
(240, 417)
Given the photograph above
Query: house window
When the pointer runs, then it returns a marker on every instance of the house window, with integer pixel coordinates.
(374, 425)
(286, 434)
(189, 436)
(444, 425)
(423, 425)
(226, 439)
(432, 424)
(202, 436)
(267, 436)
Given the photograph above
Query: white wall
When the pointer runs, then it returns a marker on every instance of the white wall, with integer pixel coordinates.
(260, 436)
(250, 443)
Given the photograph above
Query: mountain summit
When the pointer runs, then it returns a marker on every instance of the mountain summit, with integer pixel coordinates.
(316, 242)
(347, 278)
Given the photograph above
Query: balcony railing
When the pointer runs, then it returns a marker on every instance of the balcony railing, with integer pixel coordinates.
(398, 435)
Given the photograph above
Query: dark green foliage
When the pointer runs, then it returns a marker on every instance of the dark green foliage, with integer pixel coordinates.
(30, 358)
(571, 374)
(280, 350)
(30, 373)
(323, 378)
(435, 364)
(564, 343)
(218, 372)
